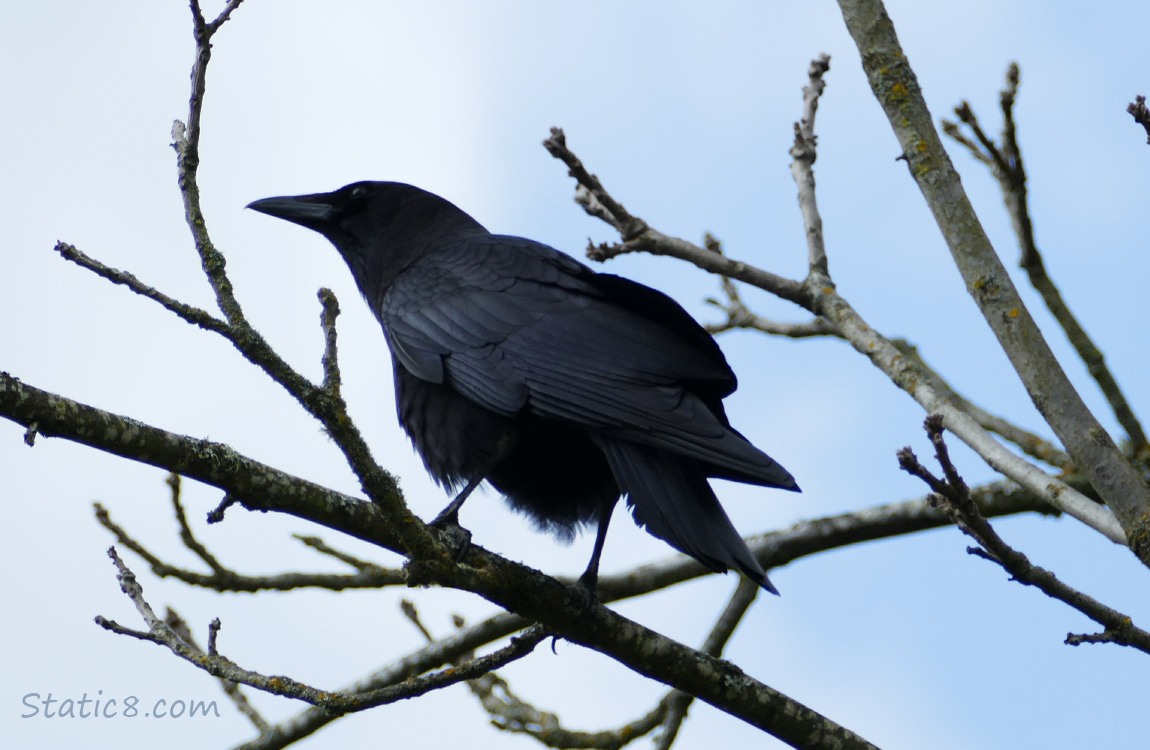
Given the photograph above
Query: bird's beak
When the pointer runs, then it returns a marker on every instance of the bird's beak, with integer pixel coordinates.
(312, 211)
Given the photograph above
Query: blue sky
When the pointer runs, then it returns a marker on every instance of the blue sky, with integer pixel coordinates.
(685, 111)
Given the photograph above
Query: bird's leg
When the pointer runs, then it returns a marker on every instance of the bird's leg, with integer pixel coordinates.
(448, 520)
(588, 584)
(449, 516)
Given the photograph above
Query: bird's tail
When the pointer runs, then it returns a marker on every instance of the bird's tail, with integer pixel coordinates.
(670, 497)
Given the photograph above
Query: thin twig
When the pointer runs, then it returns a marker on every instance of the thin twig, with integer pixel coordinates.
(637, 235)
(330, 362)
(407, 607)
(443, 651)
(511, 713)
(740, 316)
(186, 535)
(214, 663)
(187, 313)
(216, 514)
(803, 154)
(1007, 165)
(677, 702)
(363, 566)
(953, 497)
(1140, 113)
(223, 578)
(593, 197)
(231, 689)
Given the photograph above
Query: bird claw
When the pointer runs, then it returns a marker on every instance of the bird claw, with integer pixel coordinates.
(584, 593)
(457, 538)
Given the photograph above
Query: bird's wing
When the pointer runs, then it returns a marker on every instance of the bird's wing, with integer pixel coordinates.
(513, 324)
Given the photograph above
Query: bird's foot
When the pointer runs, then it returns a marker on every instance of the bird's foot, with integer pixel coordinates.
(584, 593)
(457, 538)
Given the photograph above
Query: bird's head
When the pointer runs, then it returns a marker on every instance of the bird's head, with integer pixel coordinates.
(378, 227)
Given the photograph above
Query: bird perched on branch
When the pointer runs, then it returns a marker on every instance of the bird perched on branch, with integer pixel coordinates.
(562, 387)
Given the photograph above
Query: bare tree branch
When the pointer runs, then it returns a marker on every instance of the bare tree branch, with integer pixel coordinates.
(803, 154)
(161, 633)
(512, 714)
(434, 655)
(363, 566)
(773, 549)
(332, 380)
(1028, 442)
(323, 404)
(677, 702)
(1007, 166)
(953, 496)
(222, 578)
(896, 88)
(186, 535)
(232, 689)
(739, 316)
(215, 464)
(514, 587)
(818, 295)
(188, 313)
(638, 236)
(1140, 113)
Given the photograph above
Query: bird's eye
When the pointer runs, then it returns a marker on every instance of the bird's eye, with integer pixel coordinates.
(358, 192)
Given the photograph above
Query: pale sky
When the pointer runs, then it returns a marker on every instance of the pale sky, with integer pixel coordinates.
(685, 111)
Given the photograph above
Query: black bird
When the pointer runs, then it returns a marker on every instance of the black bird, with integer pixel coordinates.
(562, 387)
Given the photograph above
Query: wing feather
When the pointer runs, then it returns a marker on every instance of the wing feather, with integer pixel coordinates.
(517, 325)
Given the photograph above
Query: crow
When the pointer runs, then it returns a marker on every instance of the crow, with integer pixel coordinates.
(562, 387)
